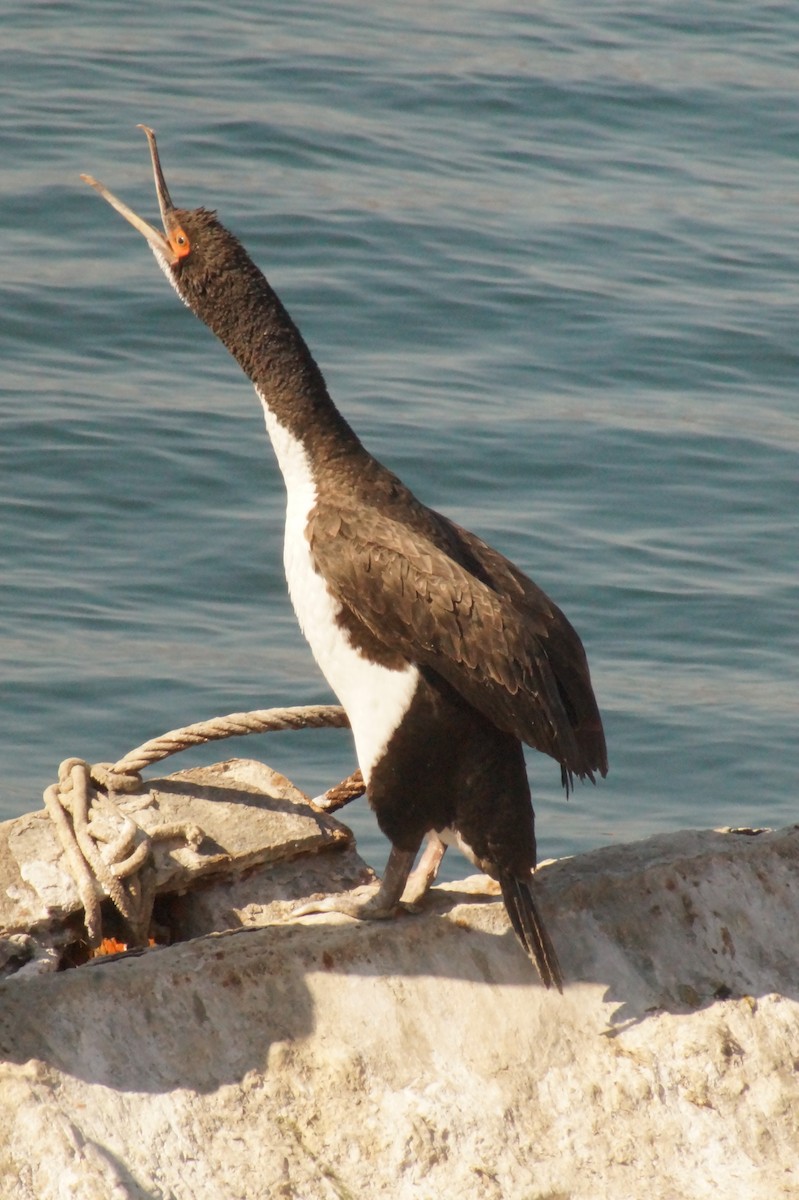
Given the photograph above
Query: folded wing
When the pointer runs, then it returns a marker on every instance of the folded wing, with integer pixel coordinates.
(459, 608)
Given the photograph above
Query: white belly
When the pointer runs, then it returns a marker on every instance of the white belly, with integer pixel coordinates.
(452, 837)
(374, 697)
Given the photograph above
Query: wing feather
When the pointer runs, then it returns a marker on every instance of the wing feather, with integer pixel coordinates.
(465, 612)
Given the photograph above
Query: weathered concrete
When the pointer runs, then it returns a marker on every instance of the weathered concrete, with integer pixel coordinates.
(420, 1057)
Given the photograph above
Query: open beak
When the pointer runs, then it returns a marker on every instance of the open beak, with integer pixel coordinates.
(159, 242)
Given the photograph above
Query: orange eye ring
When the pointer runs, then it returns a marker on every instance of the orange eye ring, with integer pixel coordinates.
(179, 243)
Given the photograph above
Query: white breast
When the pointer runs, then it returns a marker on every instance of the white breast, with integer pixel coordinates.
(374, 697)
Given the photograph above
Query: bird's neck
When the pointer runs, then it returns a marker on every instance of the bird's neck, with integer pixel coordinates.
(249, 318)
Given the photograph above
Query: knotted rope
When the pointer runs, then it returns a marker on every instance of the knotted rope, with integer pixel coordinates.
(109, 854)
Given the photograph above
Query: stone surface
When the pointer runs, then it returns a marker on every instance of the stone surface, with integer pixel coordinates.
(249, 816)
(416, 1058)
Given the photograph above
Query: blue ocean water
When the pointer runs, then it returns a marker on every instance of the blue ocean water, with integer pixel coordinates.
(547, 257)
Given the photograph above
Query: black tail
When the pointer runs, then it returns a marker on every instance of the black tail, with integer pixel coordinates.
(530, 929)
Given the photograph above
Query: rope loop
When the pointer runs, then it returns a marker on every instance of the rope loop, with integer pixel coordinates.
(107, 777)
(109, 854)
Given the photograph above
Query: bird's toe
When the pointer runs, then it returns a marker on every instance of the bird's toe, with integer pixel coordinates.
(364, 903)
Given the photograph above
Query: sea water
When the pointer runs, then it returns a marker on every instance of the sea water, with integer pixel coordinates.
(547, 258)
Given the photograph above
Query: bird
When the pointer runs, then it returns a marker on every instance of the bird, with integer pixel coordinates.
(445, 656)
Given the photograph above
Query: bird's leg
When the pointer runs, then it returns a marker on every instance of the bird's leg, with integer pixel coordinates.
(425, 872)
(373, 902)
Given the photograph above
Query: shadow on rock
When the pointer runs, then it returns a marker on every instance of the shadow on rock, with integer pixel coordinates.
(672, 924)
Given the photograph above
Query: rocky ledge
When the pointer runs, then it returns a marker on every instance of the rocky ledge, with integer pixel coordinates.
(321, 1058)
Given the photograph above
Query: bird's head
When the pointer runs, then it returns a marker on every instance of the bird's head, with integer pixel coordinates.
(213, 274)
(195, 252)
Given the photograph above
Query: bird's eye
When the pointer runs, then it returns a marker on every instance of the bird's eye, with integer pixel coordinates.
(179, 243)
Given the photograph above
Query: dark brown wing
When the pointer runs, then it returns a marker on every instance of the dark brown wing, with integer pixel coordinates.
(564, 648)
(493, 649)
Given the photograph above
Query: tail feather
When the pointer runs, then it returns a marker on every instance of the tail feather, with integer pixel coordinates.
(530, 929)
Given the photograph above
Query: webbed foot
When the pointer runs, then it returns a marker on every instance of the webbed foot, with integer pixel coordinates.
(364, 903)
(372, 902)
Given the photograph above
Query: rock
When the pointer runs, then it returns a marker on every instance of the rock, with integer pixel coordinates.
(420, 1057)
(246, 814)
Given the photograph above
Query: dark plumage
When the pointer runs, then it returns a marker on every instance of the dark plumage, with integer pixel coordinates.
(445, 655)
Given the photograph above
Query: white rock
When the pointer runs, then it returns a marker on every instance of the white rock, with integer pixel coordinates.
(421, 1058)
